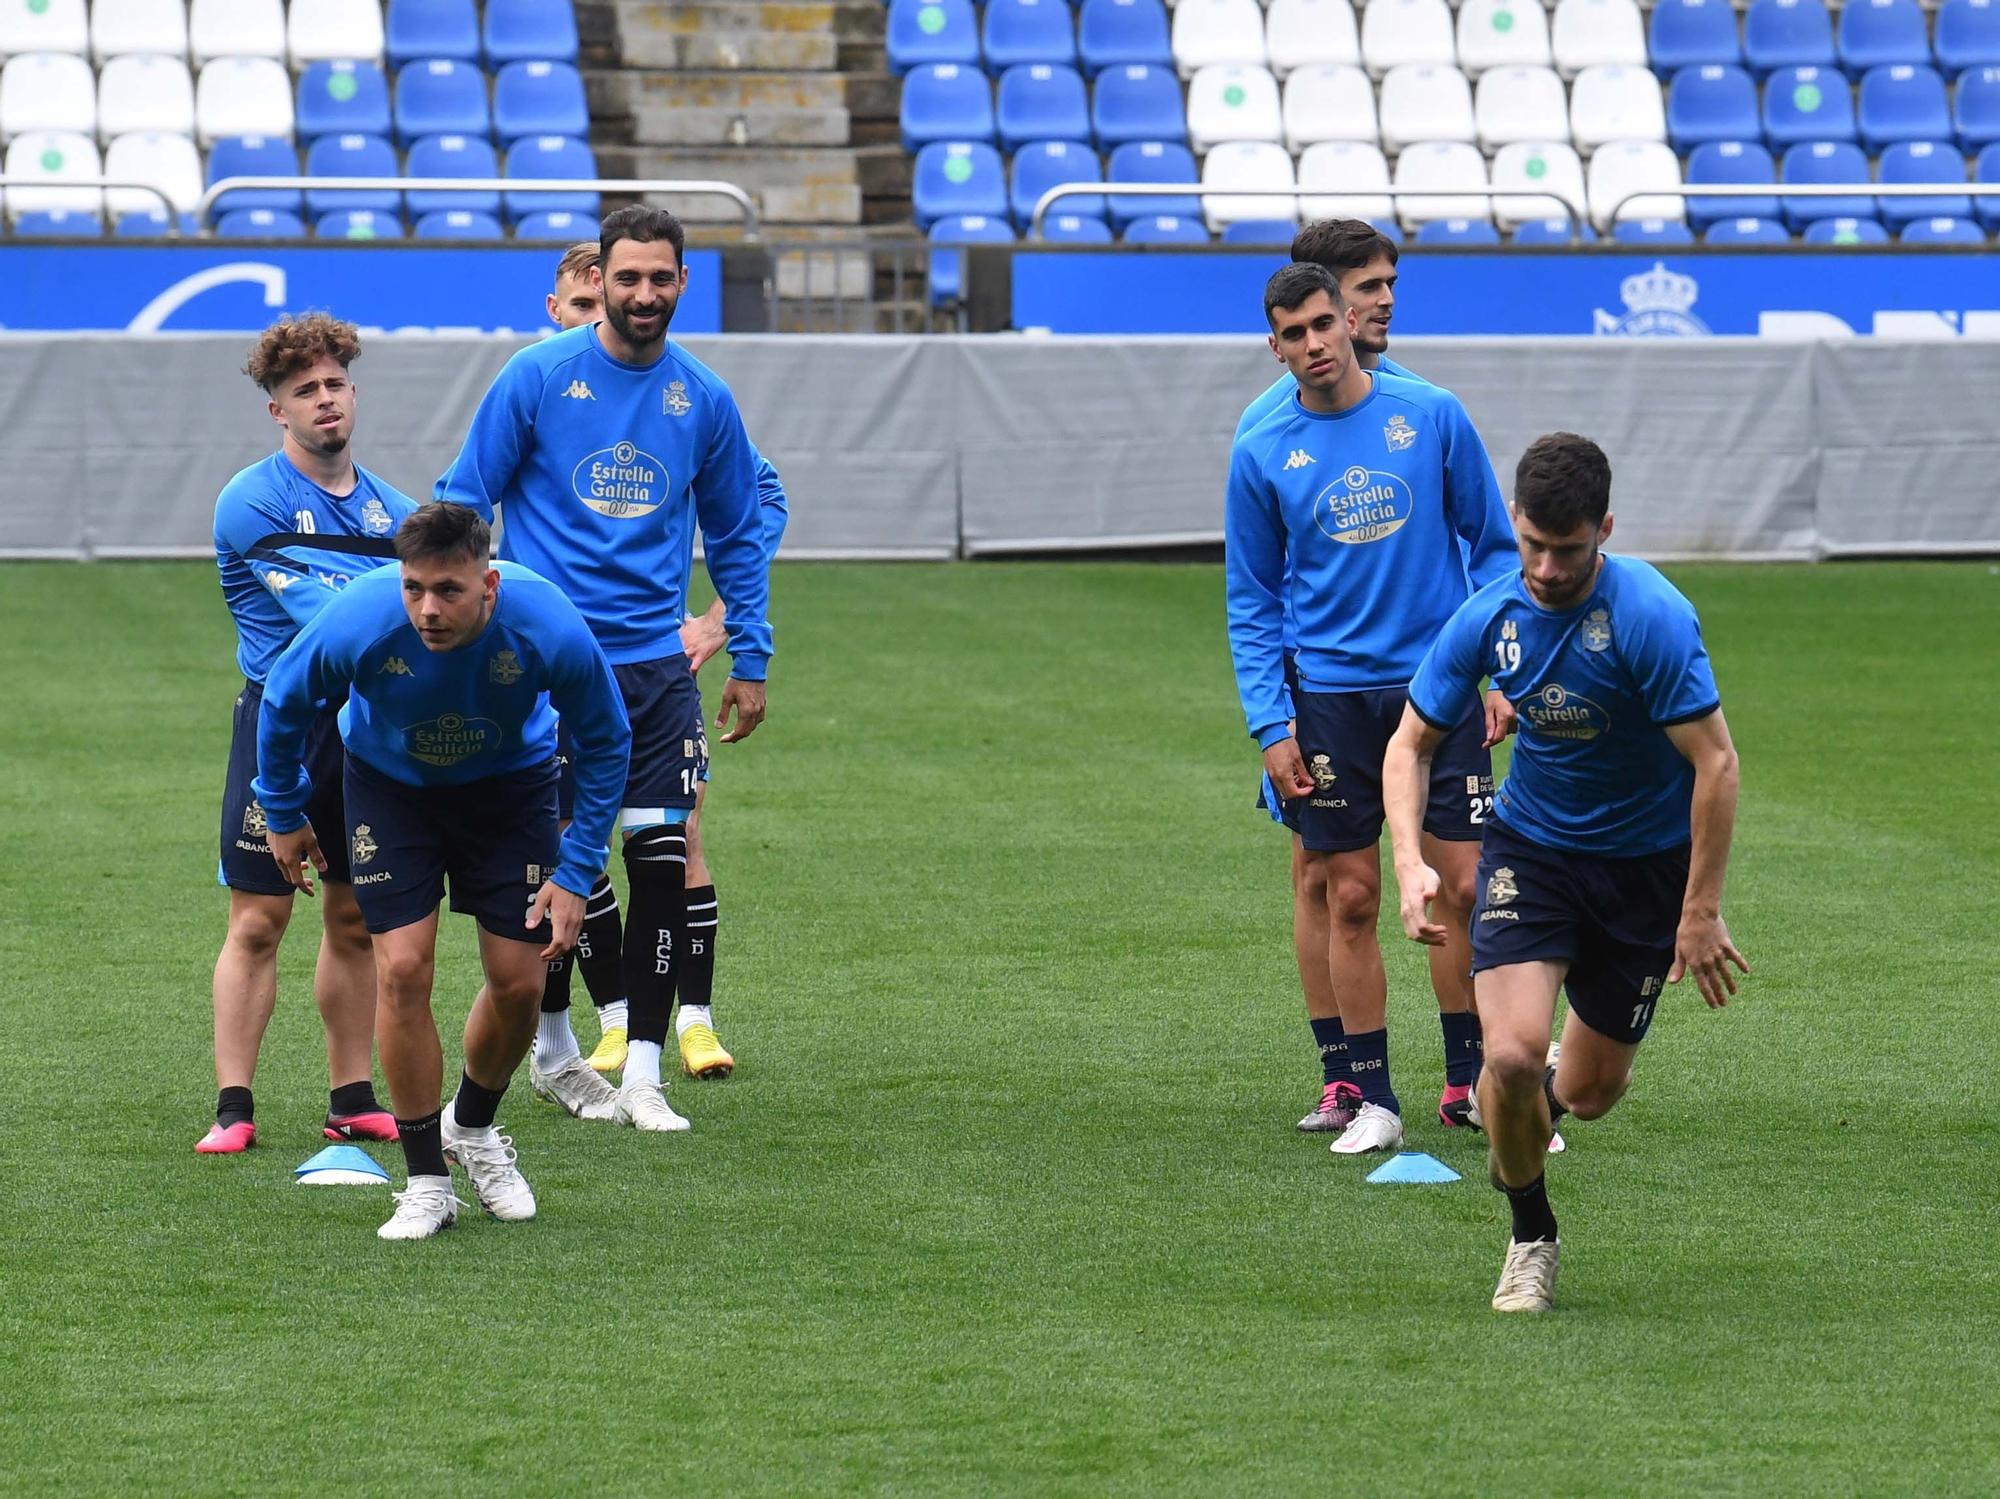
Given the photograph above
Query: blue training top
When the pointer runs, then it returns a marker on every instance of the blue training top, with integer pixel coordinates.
(1596, 686)
(446, 718)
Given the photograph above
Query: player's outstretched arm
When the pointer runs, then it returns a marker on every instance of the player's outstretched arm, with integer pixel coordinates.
(1406, 789)
(1253, 578)
(1702, 946)
(310, 671)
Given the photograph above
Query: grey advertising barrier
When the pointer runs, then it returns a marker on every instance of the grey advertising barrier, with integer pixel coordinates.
(935, 447)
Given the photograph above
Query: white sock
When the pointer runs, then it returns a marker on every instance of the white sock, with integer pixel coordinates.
(611, 1017)
(555, 1042)
(428, 1181)
(692, 1015)
(642, 1063)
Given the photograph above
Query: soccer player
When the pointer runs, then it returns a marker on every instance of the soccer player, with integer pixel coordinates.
(290, 532)
(1602, 865)
(455, 671)
(605, 447)
(1364, 510)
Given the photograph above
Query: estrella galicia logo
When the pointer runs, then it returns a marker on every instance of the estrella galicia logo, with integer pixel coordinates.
(622, 482)
(450, 738)
(375, 518)
(1561, 714)
(1362, 505)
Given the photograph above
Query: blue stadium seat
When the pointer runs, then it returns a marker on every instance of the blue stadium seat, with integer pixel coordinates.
(1845, 232)
(1882, 33)
(1457, 232)
(458, 223)
(260, 223)
(441, 97)
(954, 179)
(1747, 231)
(1692, 34)
(539, 98)
(1902, 104)
(1735, 163)
(1976, 112)
(1987, 210)
(530, 31)
(551, 156)
(1041, 165)
(1825, 164)
(1552, 232)
(1787, 34)
(1909, 162)
(254, 156)
(1118, 33)
(451, 156)
(342, 98)
(352, 156)
(59, 223)
(1808, 104)
(931, 31)
(1152, 161)
(1968, 35)
(358, 223)
(1652, 232)
(1075, 229)
(432, 28)
(1260, 232)
(1941, 231)
(1029, 31)
(1166, 229)
(1137, 102)
(150, 224)
(1714, 102)
(947, 267)
(1037, 102)
(562, 228)
(946, 102)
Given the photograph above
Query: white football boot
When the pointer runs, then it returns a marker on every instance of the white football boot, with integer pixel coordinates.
(1374, 1128)
(425, 1209)
(1528, 1279)
(488, 1158)
(576, 1088)
(644, 1106)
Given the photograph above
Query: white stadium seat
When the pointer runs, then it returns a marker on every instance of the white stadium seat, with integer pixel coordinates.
(1588, 32)
(236, 28)
(1232, 104)
(1539, 166)
(1397, 33)
(1611, 102)
(1299, 33)
(320, 30)
(1208, 32)
(1521, 104)
(120, 28)
(52, 157)
(1634, 166)
(1430, 165)
(1263, 165)
(170, 162)
(1344, 176)
(139, 93)
(56, 26)
(1425, 103)
(47, 91)
(243, 96)
(1329, 102)
(1502, 34)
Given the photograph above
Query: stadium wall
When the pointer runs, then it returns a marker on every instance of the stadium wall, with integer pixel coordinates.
(936, 447)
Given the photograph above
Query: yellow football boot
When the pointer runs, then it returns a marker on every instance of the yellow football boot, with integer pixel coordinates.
(611, 1049)
(702, 1055)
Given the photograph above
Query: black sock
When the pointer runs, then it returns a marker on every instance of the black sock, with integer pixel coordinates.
(233, 1106)
(423, 1145)
(353, 1098)
(600, 946)
(475, 1106)
(1368, 1068)
(1533, 1219)
(555, 987)
(1331, 1040)
(1556, 1110)
(656, 863)
(1463, 1048)
(694, 966)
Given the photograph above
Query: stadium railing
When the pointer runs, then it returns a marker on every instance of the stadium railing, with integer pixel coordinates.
(58, 184)
(1814, 190)
(692, 188)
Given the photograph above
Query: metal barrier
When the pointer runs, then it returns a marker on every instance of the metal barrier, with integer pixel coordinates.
(689, 189)
(1196, 190)
(173, 221)
(1805, 190)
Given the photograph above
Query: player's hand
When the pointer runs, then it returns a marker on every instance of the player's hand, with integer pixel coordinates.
(747, 699)
(562, 907)
(702, 637)
(1702, 948)
(1500, 719)
(1287, 769)
(297, 854)
(1419, 887)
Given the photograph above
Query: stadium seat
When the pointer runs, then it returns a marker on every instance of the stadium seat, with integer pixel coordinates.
(1554, 232)
(1845, 232)
(946, 102)
(947, 267)
(1940, 231)
(1825, 164)
(47, 91)
(1233, 104)
(352, 156)
(358, 223)
(1593, 33)
(451, 156)
(563, 228)
(539, 98)
(1433, 165)
(1534, 169)
(1075, 229)
(242, 96)
(1137, 102)
(1261, 232)
(1328, 102)
(953, 178)
(921, 32)
(458, 223)
(52, 26)
(441, 97)
(1968, 35)
(1693, 34)
(322, 30)
(1420, 102)
(1041, 165)
(1021, 32)
(151, 225)
(551, 158)
(1714, 102)
(1736, 164)
(1151, 161)
(1746, 231)
(1882, 33)
(1263, 165)
(1122, 33)
(529, 31)
(1902, 104)
(255, 156)
(1786, 34)
(1623, 168)
(1457, 232)
(1036, 102)
(1520, 104)
(1611, 102)
(1912, 162)
(1165, 229)
(46, 159)
(236, 28)
(168, 161)
(1208, 33)
(138, 92)
(1975, 115)
(260, 223)
(1407, 33)
(1347, 180)
(1502, 34)
(1808, 104)
(124, 28)
(1986, 171)
(1652, 232)
(343, 97)
(431, 28)
(1308, 33)
(59, 223)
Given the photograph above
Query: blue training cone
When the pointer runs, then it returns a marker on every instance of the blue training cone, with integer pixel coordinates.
(1412, 1166)
(341, 1166)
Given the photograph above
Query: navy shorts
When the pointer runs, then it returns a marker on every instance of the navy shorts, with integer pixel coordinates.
(1612, 920)
(246, 858)
(1343, 737)
(669, 744)
(497, 839)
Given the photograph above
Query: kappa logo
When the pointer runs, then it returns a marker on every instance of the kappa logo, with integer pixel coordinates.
(579, 391)
(674, 400)
(365, 847)
(1299, 459)
(395, 666)
(278, 582)
(254, 825)
(506, 669)
(1399, 434)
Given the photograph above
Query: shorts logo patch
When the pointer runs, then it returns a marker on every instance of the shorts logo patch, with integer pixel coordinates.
(1364, 505)
(1321, 770)
(506, 669)
(674, 400)
(1399, 434)
(1597, 630)
(365, 847)
(623, 482)
(450, 738)
(536, 875)
(1501, 889)
(254, 825)
(1562, 714)
(687, 749)
(1650, 987)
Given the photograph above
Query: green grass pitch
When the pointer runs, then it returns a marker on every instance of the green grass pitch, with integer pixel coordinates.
(1005, 1196)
